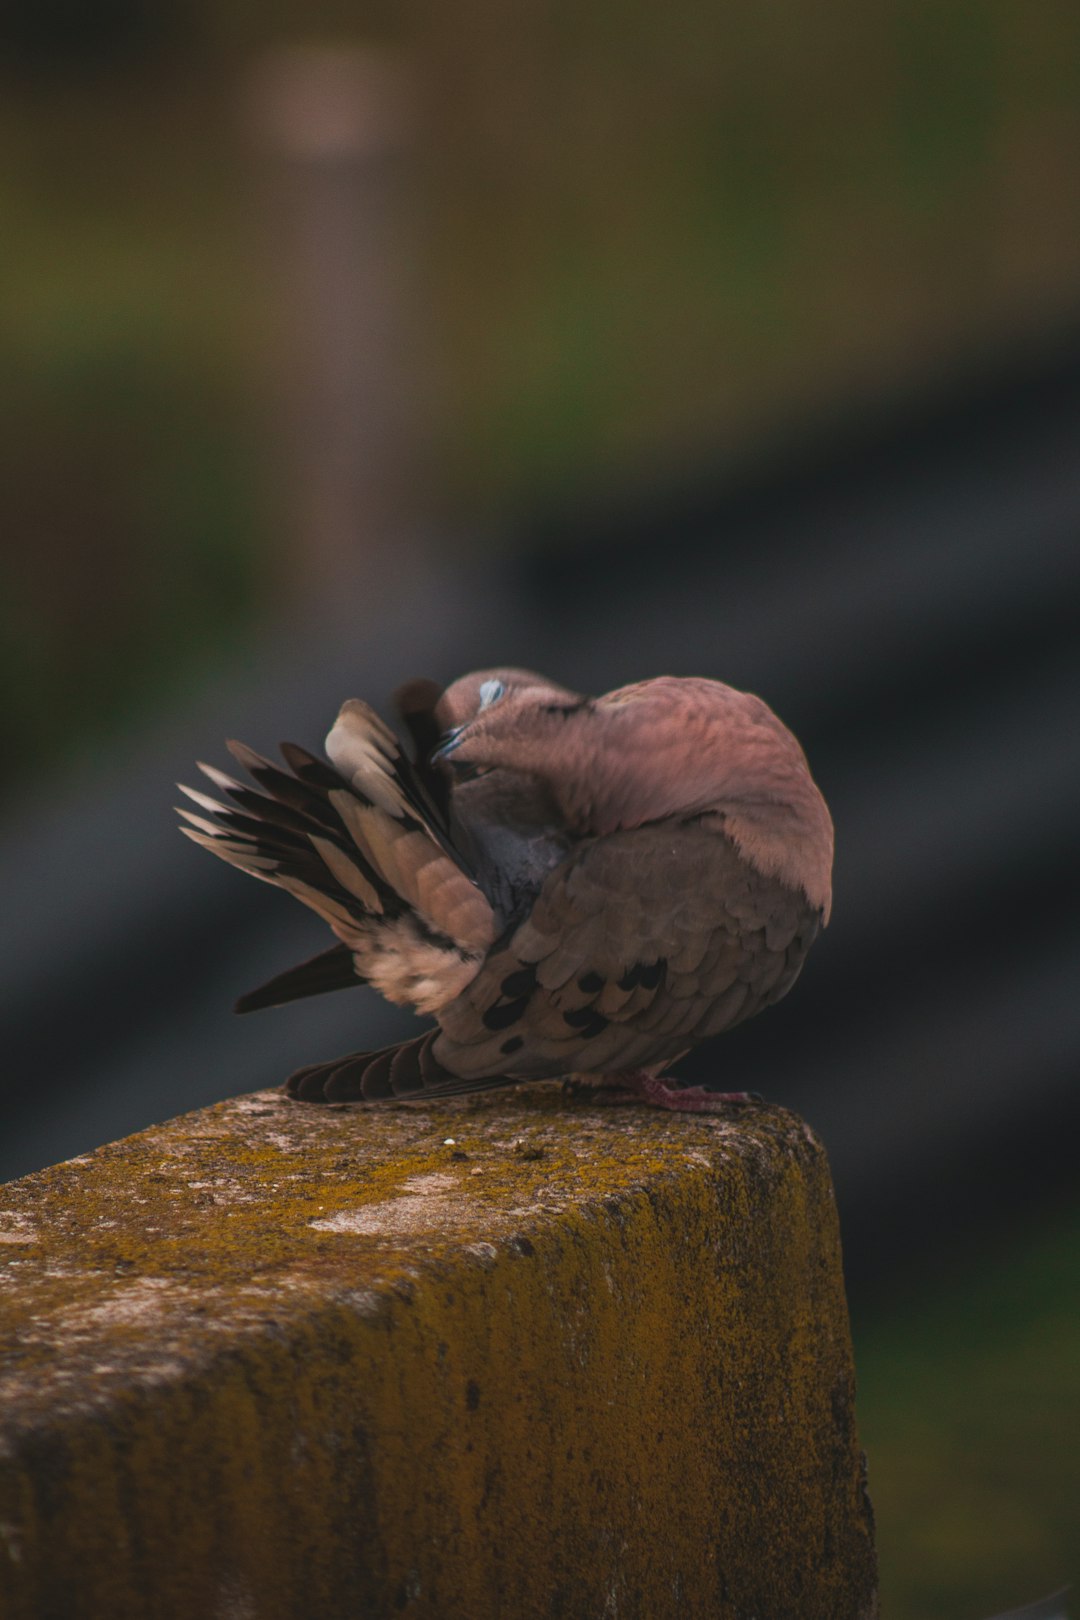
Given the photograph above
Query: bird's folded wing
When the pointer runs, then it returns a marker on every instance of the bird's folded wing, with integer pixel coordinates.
(639, 945)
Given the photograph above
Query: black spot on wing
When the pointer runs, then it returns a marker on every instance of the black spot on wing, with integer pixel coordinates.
(520, 983)
(514, 1044)
(591, 984)
(514, 995)
(504, 1013)
(586, 1021)
(650, 975)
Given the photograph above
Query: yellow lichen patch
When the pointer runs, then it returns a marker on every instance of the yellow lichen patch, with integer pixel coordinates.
(509, 1355)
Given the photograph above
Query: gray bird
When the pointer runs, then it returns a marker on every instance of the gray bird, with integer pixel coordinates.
(572, 886)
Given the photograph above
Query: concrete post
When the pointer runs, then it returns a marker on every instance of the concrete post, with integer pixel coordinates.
(506, 1356)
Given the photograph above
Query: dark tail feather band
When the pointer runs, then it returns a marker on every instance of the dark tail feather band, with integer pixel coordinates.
(404, 1072)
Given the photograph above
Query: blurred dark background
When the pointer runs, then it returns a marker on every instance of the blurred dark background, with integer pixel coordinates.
(339, 345)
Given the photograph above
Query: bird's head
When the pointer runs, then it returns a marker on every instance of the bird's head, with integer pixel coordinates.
(499, 717)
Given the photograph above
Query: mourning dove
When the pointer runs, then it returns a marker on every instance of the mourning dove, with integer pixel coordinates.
(572, 886)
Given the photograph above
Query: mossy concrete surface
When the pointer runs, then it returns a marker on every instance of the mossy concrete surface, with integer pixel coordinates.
(510, 1356)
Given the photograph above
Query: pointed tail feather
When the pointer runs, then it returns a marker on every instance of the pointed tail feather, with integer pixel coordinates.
(334, 969)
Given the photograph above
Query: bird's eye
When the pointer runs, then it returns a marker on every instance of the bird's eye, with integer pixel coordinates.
(491, 692)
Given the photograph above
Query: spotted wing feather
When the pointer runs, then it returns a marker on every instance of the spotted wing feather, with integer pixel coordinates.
(638, 946)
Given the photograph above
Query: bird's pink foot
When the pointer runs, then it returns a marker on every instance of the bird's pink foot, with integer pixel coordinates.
(636, 1085)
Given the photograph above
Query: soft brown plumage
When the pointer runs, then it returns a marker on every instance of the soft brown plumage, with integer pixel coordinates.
(572, 886)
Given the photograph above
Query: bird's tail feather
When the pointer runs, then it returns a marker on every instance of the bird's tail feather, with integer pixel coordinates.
(409, 1070)
(334, 969)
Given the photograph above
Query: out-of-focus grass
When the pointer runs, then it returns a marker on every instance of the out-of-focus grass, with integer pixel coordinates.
(969, 1411)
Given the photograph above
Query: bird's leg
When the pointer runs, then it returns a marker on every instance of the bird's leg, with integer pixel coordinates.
(638, 1085)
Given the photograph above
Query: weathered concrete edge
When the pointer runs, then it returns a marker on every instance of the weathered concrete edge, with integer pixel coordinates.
(349, 1418)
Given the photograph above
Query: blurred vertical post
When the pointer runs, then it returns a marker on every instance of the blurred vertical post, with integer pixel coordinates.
(337, 127)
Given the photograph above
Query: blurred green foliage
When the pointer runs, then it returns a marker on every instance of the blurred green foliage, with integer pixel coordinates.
(969, 1410)
(131, 506)
(654, 237)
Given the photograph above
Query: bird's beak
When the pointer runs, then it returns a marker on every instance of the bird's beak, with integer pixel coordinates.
(451, 741)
